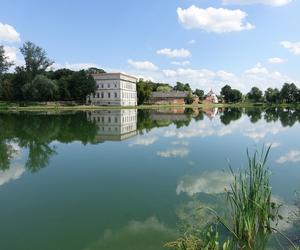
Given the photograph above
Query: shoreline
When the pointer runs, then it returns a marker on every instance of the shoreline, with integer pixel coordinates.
(39, 107)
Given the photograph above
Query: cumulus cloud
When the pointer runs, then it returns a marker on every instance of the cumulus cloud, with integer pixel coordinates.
(13, 173)
(143, 65)
(11, 53)
(291, 156)
(177, 152)
(276, 60)
(172, 53)
(8, 33)
(143, 141)
(75, 66)
(184, 63)
(293, 47)
(265, 2)
(209, 183)
(213, 20)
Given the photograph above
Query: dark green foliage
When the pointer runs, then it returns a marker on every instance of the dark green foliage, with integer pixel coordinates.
(182, 87)
(230, 114)
(289, 93)
(272, 95)
(40, 89)
(230, 95)
(144, 90)
(189, 98)
(199, 93)
(255, 95)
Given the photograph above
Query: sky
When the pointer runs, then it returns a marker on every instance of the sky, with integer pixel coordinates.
(207, 43)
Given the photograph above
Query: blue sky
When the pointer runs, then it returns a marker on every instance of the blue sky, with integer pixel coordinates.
(205, 43)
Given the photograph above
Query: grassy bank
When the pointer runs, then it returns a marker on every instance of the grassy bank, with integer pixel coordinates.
(31, 107)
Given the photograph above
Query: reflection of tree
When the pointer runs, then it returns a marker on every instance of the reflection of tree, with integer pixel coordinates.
(271, 115)
(230, 114)
(36, 131)
(255, 114)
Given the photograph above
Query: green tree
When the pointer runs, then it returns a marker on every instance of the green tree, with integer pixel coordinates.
(36, 60)
(189, 98)
(272, 95)
(164, 88)
(289, 93)
(94, 70)
(5, 64)
(199, 93)
(182, 87)
(255, 94)
(226, 93)
(144, 90)
(81, 85)
(236, 95)
(40, 89)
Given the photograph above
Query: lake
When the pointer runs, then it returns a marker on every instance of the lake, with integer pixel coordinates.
(129, 179)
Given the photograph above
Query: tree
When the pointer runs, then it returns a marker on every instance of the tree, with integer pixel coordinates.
(144, 90)
(199, 93)
(81, 85)
(182, 87)
(5, 64)
(289, 93)
(189, 98)
(164, 88)
(36, 60)
(94, 70)
(40, 89)
(272, 95)
(226, 92)
(255, 94)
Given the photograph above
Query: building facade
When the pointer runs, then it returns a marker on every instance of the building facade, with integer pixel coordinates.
(211, 97)
(114, 89)
(114, 125)
(172, 98)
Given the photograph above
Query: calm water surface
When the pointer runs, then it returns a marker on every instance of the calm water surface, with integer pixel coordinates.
(126, 179)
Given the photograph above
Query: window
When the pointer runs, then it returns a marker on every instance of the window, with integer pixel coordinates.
(108, 95)
(102, 95)
(102, 86)
(116, 119)
(115, 85)
(108, 85)
(116, 95)
(97, 95)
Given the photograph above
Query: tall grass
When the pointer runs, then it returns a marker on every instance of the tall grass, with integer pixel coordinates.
(252, 214)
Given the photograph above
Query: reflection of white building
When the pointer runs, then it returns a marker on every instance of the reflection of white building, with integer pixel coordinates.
(114, 125)
(114, 89)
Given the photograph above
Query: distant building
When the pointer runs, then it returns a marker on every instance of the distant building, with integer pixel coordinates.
(173, 97)
(114, 89)
(114, 125)
(211, 97)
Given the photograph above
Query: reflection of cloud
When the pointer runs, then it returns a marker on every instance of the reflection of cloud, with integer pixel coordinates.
(147, 235)
(13, 173)
(209, 182)
(274, 144)
(178, 152)
(144, 141)
(288, 212)
(259, 131)
(200, 130)
(291, 156)
(183, 143)
(16, 150)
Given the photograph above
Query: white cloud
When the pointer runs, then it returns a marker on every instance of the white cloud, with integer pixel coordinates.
(143, 141)
(13, 173)
(276, 60)
(75, 66)
(178, 152)
(213, 20)
(183, 53)
(274, 144)
(11, 53)
(292, 47)
(209, 183)
(184, 63)
(142, 65)
(291, 156)
(192, 42)
(265, 2)
(8, 33)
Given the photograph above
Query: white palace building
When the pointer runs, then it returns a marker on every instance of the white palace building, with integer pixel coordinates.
(114, 89)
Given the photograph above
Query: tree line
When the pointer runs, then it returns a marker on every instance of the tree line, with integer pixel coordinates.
(36, 81)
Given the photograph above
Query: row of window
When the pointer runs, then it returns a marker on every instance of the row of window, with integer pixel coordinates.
(115, 119)
(124, 85)
(114, 95)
